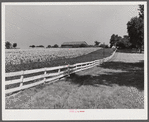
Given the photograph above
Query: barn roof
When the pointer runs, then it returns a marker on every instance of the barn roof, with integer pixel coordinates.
(75, 43)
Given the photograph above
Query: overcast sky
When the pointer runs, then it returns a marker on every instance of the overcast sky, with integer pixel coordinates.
(54, 24)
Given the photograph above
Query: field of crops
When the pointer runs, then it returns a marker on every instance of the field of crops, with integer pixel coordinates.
(27, 59)
(18, 56)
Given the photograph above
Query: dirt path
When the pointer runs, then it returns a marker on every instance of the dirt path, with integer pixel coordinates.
(128, 57)
(115, 84)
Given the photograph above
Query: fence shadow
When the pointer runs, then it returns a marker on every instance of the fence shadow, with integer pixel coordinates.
(134, 76)
(123, 65)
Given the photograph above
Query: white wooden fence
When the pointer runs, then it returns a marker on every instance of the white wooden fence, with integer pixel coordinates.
(50, 74)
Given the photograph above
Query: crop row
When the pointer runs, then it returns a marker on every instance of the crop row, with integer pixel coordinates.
(15, 57)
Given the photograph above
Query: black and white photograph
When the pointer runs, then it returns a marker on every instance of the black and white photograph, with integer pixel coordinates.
(74, 60)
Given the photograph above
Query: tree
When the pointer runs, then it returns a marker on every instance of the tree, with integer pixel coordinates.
(55, 46)
(104, 45)
(40, 46)
(141, 13)
(135, 29)
(8, 45)
(126, 41)
(114, 40)
(14, 45)
(49, 46)
(97, 43)
(83, 45)
(32, 46)
(121, 43)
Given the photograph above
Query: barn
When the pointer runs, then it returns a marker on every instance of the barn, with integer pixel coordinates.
(74, 44)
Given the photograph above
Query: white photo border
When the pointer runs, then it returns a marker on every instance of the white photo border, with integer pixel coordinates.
(65, 114)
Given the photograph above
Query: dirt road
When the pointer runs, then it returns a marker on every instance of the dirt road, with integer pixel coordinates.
(128, 57)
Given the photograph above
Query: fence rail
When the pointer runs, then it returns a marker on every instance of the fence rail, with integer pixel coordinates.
(45, 75)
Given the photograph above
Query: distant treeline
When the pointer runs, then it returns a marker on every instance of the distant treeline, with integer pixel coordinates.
(97, 44)
(41, 46)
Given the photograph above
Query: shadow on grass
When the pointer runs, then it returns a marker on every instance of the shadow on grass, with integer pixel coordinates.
(123, 65)
(134, 76)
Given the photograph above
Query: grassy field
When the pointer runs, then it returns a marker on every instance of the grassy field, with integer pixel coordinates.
(113, 85)
(74, 56)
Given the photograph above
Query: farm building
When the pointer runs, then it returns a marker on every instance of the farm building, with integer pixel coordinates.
(75, 44)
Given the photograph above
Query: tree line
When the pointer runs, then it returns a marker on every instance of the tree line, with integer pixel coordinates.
(135, 37)
(9, 45)
(96, 44)
(49, 46)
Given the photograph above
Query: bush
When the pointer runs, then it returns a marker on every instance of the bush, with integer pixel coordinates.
(40, 46)
(8, 45)
(14, 45)
(55, 46)
(32, 46)
(49, 46)
(104, 46)
(83, 45)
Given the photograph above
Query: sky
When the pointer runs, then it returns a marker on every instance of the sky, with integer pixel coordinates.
(54, 24)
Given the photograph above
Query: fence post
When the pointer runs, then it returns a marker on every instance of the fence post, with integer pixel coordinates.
(59, 71)
(81, 66)
(22, 77)
(68, 71)
(45, 72)
(96, 62)
(76, 67)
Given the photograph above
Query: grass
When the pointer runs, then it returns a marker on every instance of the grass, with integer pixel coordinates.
(113, 85)
(60, 61)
